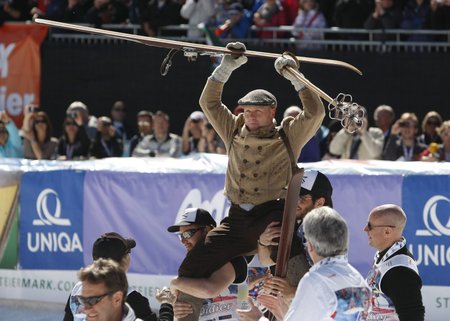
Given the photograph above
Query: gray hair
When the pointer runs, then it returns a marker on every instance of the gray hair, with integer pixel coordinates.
(381, 108)
(327, 231)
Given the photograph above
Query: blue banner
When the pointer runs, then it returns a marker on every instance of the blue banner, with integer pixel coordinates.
(426, 201)
(143, 206)
(51, 220)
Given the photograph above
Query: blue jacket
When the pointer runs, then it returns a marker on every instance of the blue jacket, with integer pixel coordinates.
(13, 147)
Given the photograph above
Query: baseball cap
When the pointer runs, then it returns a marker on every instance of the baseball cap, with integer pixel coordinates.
(191, 216)
(113, 246)
(76, 105)
(317, 184)
(258, 97)
(197, 115)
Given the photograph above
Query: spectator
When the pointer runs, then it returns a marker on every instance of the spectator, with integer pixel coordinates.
(159, 13)
(364, 143)
(440, 16)
(115, 247)
(79, 111)
(332, 287)
(385, 16)
(161, 143)
(14, 10)
(309, 17)
(403, 144)
(107, 11)
(316, 191)
(270, 14)
(61, 10)
(10, 141)
(232, 21)
(106, 144)
(197, 12)
(122, 130)
(394, 279)
(333, 128)
(192, 132)
(384, 117)
(38, 142)
(74, 143)
(436, 152)
(290, 8)
(104, 290)
(118, 116)
(416, 16)
(192, 228)
(430, 123)
(351, 14)
(210, 141)
(311, 151)
(145, 128)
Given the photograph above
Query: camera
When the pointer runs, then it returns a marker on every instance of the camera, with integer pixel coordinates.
(33, 109)
(403, 124)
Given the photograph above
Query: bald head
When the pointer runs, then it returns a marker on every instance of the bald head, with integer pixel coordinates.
(392, 214)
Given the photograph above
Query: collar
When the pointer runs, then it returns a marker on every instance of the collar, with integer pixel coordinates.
(263, 132)
(387, 253)
(338, 259)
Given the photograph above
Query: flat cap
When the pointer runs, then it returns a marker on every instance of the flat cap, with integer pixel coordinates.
(258, 97)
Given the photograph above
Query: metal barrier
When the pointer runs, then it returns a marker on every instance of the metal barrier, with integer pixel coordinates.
(333, 39)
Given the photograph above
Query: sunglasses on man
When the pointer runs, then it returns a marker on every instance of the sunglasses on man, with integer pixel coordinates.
(92, 300)
(189, 233)
(371, 226)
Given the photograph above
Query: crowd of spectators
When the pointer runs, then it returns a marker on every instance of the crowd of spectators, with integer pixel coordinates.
(85, 136)
(234, 18)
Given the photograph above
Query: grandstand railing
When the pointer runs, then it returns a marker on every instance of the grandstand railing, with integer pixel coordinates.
(335, 39)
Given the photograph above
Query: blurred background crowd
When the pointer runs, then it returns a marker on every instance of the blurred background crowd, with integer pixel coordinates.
(147, 134)
(235, 18)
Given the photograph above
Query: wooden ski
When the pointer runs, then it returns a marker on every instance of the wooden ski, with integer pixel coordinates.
(288, 223)
(191, 50)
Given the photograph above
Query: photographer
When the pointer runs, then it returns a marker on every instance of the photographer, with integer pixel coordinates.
(402, 144)
(106, 144)
(74, 143)
(38, 142)
(10, 141)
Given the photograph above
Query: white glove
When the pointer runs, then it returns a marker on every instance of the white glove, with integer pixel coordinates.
(229, 62)
(280, 65)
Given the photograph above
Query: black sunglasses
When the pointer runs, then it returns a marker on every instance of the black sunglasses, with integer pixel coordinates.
(370, 226)
(92, 300)
(189, 233)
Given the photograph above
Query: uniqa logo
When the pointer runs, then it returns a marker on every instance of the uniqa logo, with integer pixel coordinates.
(217, 207)
(45, 217)
(431, 218)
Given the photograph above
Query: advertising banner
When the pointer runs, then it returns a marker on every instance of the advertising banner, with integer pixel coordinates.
(51, 220)
(143, 205)
(354, 196)
(20, 67)
(426, 199)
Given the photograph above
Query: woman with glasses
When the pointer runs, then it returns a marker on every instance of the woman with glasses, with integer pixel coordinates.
(37, 129)
(431, 122)
(439, 152)
(74, 143)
